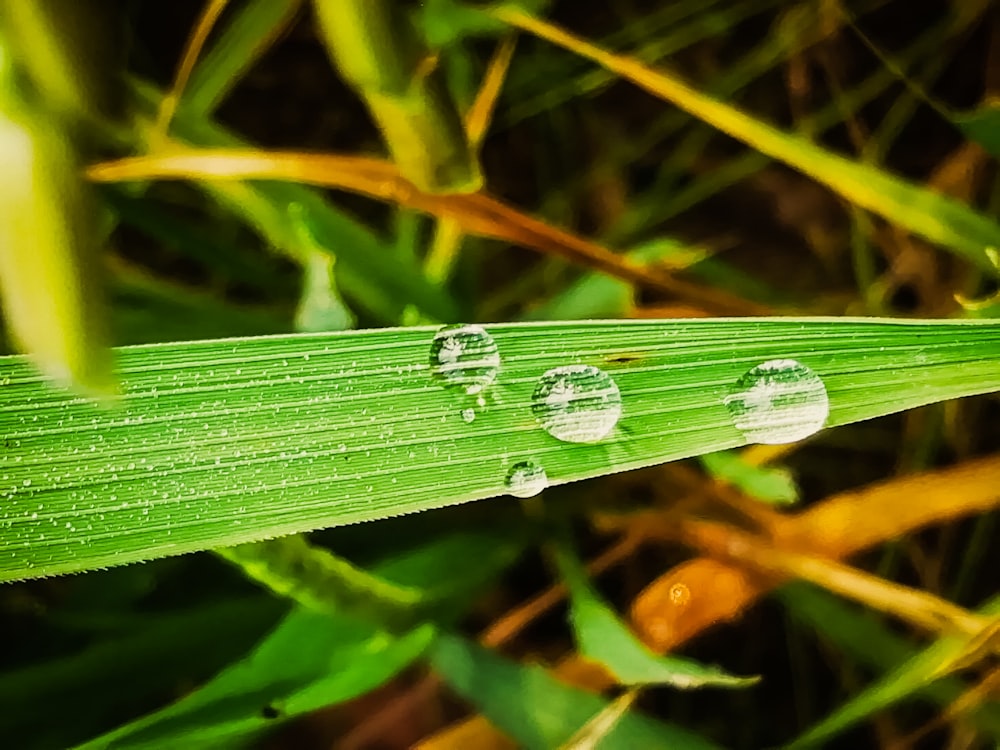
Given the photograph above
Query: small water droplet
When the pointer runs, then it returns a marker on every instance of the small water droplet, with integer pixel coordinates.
(680, 594)
(778, 401)
(465, 357)
(526, 479)
(468, 416)
(577, 403)
(26, 482)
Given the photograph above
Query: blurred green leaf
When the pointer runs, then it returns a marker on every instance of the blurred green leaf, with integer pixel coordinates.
(774, 485)
(380, 55)
(938, 218)
(982, 126)
(443, 23)
(149, 311)
(254, 27)
(912, 676)
(206, 241)
(49, 255)
(411, 586)
(127, 673)
(369, 273)
(867, 640)
(320, 306)
(603, 637)
(431, 566)
(600, 296)
(72, 53)
(309, 661)
(536, 710)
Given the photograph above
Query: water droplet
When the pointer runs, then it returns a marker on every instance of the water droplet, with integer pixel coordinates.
(779, 401)
(680, 594)
(468, 415)
(526, 479)
(465, 357)
(577, 403)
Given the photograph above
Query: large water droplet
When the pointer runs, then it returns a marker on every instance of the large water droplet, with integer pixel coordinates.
(465, 357)
(779, 401)
(577, 403)
(526, 479)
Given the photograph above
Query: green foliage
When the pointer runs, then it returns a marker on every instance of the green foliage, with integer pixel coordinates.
(135, 668)
(381, 57)
(230, 433)
(309, 661)
(217, 443)
(602, 637)
(769, 484)
(919, 674)
(535, 709)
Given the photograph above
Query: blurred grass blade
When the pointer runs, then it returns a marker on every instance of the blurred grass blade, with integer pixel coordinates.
(309, 661)
(49, 258)
(216, 443)
(444, 23)
(70, 51)
(602, 636)
(320, 305)
(373, 278)
(255, 27)
(594, 731)
(721, 591)
(538, 711)
(476, 214)
(214, 248)
(870, 642)
(379, 53)
(168, 105)
(773, 485)
(982, 126)
(410, 586)
(935, 217)
(601, 297)
(319, 581)
(89, 688)
(149, 311)
(914, 675)
(913, 606)
(442, 255)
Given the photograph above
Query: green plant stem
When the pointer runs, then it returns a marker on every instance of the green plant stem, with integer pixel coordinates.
(381, 57)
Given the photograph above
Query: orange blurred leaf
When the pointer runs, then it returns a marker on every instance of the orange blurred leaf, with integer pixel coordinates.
(837, 527)
(719, 591)
(918, 607)
(206, 22)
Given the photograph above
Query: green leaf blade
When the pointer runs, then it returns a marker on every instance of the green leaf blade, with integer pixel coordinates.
(538, 711)
(215, 443)
(309, 661)
(603, 637)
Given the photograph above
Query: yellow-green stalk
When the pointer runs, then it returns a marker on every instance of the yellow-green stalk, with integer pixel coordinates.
(49, 256)
(379, 53)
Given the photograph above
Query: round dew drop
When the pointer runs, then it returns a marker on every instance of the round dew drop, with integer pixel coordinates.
(465, 357)
(526, 479)
(778, 401)
(577, 403)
